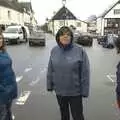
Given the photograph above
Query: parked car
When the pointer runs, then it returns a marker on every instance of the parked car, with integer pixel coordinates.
(85, 39)
(107, 41)
(101, 39)
(16, 34)
(37, 38)
(76, 35)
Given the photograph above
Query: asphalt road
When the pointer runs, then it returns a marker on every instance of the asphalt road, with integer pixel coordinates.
(35, 103)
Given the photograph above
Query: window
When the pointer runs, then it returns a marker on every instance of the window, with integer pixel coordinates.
(9, 14)
(78, 24)
(116, 11)
(61, 23)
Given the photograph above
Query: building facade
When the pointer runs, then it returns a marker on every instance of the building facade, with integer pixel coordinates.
(109, 21)
(65, 17)
(14, 13)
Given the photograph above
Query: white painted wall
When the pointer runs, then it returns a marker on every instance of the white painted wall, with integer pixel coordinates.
(26, 18)
(99, 26)
(60, 23)
(83, 27)
(16, 17)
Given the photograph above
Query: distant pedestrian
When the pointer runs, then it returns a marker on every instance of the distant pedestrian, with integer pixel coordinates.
(8, 85)
(68, 75)
(110, 40)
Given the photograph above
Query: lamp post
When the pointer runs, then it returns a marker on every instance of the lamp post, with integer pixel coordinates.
(64, 3)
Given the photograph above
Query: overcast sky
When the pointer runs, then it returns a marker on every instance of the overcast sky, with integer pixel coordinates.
(80, 8)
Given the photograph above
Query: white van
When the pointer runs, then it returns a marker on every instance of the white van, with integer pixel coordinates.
(16, 34)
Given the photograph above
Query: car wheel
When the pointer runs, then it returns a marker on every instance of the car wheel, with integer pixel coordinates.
(17, 41)
(43, 44)
(30, 44)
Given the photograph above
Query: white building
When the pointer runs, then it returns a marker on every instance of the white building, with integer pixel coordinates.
(109, 21)
(65, 17)
(13, 12)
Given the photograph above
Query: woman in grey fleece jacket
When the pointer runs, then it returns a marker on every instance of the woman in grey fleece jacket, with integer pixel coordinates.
(68, 74)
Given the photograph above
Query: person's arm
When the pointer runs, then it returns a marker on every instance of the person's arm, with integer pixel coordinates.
(50, 76)
(11, 85)
(118, 85)
(10, 80)
(85, 75)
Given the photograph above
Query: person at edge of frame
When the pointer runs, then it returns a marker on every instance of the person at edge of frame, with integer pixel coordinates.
(8, 85)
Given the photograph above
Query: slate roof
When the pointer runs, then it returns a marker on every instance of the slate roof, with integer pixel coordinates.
(109, 9)
(11, 4)
(63, 14)
(26, 5)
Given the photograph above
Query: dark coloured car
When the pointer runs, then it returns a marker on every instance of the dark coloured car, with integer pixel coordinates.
(37, 38)
(101, 39)
(107, 41)
(76, 35)
(85, 39)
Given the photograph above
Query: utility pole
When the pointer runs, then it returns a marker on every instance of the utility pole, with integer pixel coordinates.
(64, 3)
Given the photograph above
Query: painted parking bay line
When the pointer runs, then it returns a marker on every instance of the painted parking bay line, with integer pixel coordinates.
(23, 98)
(27, 69)
(34, 81)
(19, 78)
(112, 78)
(13, 117)
(43, 70)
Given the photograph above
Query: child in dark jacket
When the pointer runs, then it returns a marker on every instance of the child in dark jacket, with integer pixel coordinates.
(8, 85)
(117, 44)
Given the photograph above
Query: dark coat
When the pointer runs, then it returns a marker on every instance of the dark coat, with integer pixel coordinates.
(118, 82)
(68, 70)
(8, 85)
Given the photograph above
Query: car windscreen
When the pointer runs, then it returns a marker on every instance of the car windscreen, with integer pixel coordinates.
(11, 30)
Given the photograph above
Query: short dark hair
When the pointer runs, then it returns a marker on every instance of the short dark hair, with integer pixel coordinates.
(62, 30)
(3, 43)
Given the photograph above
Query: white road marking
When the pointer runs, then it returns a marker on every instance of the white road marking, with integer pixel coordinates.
(110, 78)
(114, 76)
(23, 98)
(19, 78)
(45, 92)
(35, 81)
(13, 117)
(43, 70)
(27, 69)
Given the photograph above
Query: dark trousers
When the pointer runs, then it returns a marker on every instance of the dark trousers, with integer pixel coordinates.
(75, 104)
(5, 112)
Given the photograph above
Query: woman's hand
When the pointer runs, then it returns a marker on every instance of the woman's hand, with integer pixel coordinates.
(118, 104)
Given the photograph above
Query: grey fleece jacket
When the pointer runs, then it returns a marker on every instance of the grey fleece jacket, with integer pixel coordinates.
(68, 71)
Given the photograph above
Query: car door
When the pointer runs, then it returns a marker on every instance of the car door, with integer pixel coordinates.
(21, 34)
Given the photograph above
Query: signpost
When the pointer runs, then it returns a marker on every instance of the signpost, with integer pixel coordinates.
(64, 2)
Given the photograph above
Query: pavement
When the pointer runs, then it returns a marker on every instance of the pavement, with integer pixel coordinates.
(35, 103)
